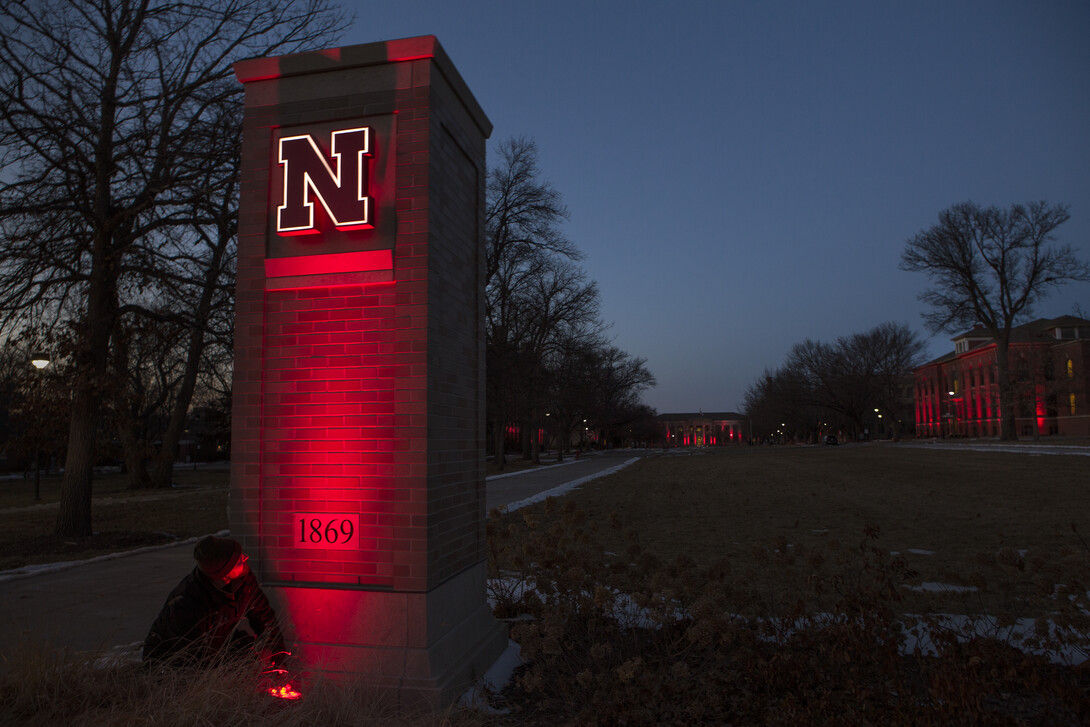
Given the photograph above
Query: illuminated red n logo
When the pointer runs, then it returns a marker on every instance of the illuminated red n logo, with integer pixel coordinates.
(341, 189)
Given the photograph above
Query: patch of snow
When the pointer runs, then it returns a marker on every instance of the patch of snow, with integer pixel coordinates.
(932, 587)
(494, 681)
(920, 551)
(1033, 449)
(1062, 645)
(1022, 635)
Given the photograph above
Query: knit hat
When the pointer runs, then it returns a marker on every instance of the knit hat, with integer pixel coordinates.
(217, 556)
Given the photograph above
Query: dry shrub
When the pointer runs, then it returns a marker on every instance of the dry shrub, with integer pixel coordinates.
(43, 686)
(792, 637)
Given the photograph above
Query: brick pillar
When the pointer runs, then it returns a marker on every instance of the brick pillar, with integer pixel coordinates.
(357, 472)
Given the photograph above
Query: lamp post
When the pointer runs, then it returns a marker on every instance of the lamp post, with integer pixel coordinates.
(38, 361)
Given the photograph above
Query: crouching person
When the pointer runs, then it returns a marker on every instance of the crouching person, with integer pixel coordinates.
(202, 619)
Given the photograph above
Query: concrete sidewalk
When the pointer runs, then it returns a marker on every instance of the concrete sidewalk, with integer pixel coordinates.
(110, 603)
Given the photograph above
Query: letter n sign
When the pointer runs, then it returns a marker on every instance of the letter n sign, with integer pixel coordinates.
(339, 182)
(332, 210)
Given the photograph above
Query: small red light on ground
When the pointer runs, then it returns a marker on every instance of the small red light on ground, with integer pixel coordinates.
(285, 692)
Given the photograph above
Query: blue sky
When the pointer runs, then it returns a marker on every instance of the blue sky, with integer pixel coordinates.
(744, 175)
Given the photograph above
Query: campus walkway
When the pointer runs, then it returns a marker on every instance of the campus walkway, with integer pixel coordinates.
(110, 603)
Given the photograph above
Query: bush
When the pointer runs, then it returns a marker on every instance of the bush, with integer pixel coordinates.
(626, 639)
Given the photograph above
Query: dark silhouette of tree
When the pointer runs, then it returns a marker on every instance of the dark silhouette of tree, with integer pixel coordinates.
(778, 406)
(886, 355)
(548, 364)
(988, 266)
(192, 306)
(618, 380)
(105, 111)
(532, 288)
(844, 381)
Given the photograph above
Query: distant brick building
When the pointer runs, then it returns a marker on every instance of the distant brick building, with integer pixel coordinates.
(711, 429)
(957, 394)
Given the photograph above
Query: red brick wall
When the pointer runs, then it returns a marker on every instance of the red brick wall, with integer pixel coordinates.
(1078, 352)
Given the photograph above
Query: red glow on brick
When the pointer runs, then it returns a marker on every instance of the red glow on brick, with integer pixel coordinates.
(1042, 409)
(410, 49)
(345, 262)
(333, 443)
(257, 69)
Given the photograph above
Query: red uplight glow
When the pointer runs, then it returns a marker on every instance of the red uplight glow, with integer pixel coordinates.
(285, 692)
(331, 373)
(1042, 409)
(345, 262)
(410, 49)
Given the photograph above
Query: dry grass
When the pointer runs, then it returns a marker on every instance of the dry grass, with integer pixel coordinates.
(17, 492)
(48, 687)
(122, 519)
(948, 514)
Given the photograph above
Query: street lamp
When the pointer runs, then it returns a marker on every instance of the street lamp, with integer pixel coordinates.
(39, 361)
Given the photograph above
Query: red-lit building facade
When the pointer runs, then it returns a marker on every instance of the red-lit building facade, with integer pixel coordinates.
(712, 429)
(958, 395)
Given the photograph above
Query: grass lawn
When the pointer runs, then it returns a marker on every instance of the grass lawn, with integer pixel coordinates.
(952, 503)
(954, 517)
(122, 519)
(725, 534)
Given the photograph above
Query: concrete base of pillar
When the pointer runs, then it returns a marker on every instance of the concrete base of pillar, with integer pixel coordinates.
(426, 647)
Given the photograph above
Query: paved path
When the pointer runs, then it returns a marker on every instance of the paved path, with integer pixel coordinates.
(1014, 448)
(513, 488)
(111, 603)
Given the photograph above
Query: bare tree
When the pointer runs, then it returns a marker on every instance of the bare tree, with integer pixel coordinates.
(545, 350)
(850, 381)
(571, 368)
(523, 213)
(779, 402)
(618, 380)
(199, 277)
(988, 266)
(835, 380)
(524, 272)
(104, 108)
(887, 355)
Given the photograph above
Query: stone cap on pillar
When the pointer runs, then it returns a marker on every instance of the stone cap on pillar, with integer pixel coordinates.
(366, 54)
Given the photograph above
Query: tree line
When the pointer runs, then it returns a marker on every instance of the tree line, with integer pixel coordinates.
(855, 385)
(120, 123)
(552, 373)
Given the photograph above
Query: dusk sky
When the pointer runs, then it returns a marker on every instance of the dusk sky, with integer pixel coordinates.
(744, 175)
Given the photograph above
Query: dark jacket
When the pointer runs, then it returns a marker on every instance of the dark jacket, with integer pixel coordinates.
(199, 620)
